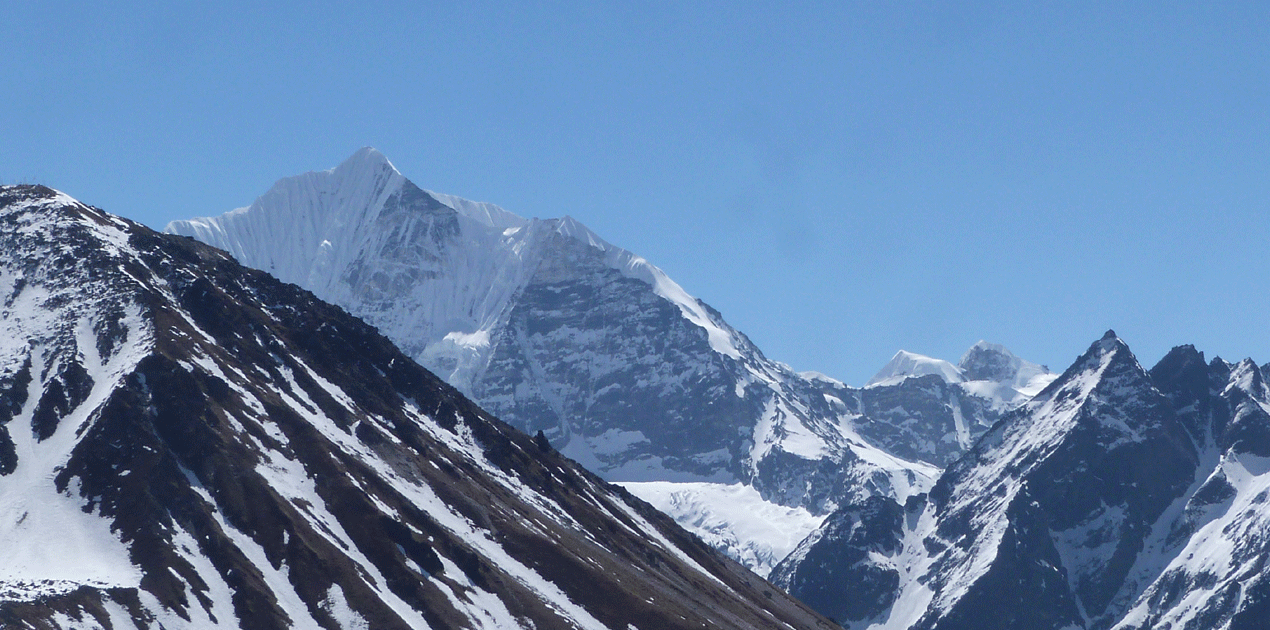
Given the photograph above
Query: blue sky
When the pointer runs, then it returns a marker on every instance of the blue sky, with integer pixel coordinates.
(840, 180)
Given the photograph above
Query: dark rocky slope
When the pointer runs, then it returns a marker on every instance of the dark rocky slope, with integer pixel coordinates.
(186, 443)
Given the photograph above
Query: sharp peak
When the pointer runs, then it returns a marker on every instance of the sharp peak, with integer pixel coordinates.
(1247, 376)
(1107, 353)
(1109, 348)
(1111, 342)
(1245, 364)
(366, 164)
(368, 154)
(366, 158)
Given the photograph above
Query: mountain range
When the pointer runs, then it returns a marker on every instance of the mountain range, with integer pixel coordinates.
(553, 329)
(186, 443)
(1116, 498)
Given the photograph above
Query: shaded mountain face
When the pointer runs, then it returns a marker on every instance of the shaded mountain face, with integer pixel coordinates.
(1116, 498)
(186, 443)
(553, 329)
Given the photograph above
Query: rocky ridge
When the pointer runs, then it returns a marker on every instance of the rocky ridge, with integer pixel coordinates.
(1116, 498)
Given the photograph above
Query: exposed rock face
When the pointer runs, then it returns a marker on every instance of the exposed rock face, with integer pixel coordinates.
(186, 443)
(837, 577)
(1115, 498)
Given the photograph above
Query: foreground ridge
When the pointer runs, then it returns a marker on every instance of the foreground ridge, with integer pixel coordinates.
(186, 443)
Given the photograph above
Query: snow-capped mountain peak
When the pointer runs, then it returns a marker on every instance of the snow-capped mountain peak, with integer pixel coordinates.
(451, 280)
(941, 408)
(909, 364)
(366, 159)
(986, 361)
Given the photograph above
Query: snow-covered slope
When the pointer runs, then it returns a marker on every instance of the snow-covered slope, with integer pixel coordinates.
(1115, 498)
(186, 443)
(733, 518)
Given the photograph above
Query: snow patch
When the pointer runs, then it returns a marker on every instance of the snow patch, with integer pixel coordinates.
(337, 606)
(733, 518)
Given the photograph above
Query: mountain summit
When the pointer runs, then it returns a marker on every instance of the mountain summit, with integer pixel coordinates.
(542, 321)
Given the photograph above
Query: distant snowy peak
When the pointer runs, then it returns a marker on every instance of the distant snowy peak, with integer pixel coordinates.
(306, 225)
(987, 370)
(993, 362)
(984, 361)
(336, 227)
(909, 364)
(930, 410)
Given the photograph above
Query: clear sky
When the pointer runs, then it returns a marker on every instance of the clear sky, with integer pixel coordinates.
(841, 180)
